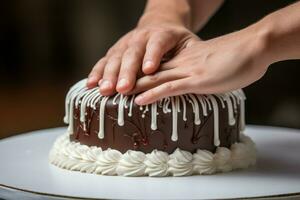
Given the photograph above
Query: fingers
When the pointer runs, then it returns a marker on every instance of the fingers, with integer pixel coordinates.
(171, 88)
(151, 81)
(131, 63)
(109, 80)
(157, 46)
(96, 73)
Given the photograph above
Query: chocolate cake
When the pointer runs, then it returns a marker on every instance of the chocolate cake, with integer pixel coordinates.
(179, 135)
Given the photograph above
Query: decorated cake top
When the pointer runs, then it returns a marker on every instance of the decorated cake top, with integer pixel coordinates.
(81, 97)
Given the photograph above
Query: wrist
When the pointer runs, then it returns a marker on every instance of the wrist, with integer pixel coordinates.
(176, 12)
(261, 41)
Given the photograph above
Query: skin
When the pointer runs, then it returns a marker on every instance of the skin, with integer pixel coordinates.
(158, 36)
(193, 66)
(245, 55)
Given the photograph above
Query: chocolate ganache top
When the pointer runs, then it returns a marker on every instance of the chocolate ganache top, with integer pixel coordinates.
(188, 122)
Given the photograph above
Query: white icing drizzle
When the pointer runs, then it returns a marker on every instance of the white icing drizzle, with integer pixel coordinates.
(131, 106)
(72, 90)
(195, 106)
(221, 100)
(79, 96)
(242, 99)
(203, 104)
(177, 101)
(82, 98)
(115, 98)
(154, 116)
(184, 107)
(125, 102)
(71, 109)
(145, 111)
(166, 104)
(174, 136)
(231, 119)
(160, 104)
(84, 105)
(121, 111)
(234, 100)
(95, 97)
(208, 102)
(216, 120)
(101, 117)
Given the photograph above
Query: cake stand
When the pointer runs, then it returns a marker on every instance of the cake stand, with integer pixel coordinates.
(26, 174)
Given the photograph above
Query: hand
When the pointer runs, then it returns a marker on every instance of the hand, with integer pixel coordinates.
(140, 50)
(219, 65)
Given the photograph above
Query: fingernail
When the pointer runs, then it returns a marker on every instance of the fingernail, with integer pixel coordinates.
(105, 85)
(122, 83)
(139, 99)
(99, 82)
(148, 64)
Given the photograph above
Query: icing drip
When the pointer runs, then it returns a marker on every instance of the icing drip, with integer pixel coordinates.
(130, 106)
(242, 99)
(71, 109)
(216, 119)
(166, 104)
(95, 97)
(184, 108)
(115, 99)
(101, 117)
(154, 116)
(234, 99)
(84, 105)
(203, 104)
(121, 111)
(195, 106)
(174, 136)
(72, 90)
(145, 111)
(82, 98)
(231, 119)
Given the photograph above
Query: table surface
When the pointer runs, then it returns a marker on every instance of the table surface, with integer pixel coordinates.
(25, 172)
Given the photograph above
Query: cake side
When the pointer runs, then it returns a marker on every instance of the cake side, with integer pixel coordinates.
(188, 122)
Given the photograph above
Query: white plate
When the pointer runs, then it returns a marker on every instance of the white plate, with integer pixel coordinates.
(24, 166)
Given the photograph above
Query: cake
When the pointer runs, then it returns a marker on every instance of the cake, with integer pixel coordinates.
(176, 136)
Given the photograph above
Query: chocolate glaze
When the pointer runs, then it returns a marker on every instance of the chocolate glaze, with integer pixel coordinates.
(136, 133)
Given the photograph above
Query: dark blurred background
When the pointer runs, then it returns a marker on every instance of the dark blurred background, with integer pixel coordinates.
(48, 45)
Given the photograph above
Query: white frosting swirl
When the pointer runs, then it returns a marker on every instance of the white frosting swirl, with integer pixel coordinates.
(239, 150)
(181, 163)
(203, 162)
(157, 163)
(74, 156)
(132, 164)
(107, 162)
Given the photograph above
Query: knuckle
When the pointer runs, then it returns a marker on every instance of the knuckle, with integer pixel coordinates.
(115, 58)
(154, 78)
(110, 51)
(139, 35)
(132, 52)
(101, 62)
(169, 87)
(158, 42)
(151, 94)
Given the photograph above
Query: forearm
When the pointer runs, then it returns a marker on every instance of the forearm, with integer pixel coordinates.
(282, 33)
(167, 11)
(192, 14)
(202, 11)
